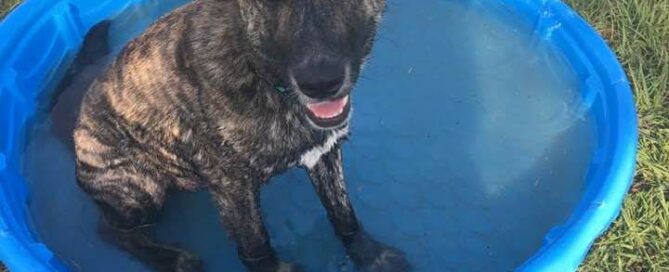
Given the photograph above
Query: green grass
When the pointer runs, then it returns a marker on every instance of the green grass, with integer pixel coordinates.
(638, 31)
(6, 6)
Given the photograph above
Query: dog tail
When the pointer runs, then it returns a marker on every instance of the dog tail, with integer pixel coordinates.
(95, 46)
(79, 76)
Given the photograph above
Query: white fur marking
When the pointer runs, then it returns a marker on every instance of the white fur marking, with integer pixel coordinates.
(311, 157)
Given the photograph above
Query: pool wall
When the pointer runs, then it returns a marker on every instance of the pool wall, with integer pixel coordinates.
(40, 37)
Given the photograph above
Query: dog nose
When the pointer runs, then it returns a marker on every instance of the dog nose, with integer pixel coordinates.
(320, 79)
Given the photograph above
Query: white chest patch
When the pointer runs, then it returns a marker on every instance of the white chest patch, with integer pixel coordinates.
(311, 157)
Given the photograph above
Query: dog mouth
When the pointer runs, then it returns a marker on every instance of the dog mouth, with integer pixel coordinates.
(330, 113)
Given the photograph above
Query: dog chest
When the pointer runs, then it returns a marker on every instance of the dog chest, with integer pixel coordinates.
(311, 156)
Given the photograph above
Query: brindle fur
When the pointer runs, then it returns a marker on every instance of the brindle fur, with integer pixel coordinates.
(191, 105)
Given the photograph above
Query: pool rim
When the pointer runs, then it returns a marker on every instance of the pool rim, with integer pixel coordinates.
(564, 247)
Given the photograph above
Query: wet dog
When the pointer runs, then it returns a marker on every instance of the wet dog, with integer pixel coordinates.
(222, 95)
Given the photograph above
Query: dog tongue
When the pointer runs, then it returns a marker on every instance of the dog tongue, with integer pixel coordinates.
(328, 109)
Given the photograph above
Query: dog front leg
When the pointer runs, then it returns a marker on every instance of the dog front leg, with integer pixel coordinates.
(240, 213)
(327, 177)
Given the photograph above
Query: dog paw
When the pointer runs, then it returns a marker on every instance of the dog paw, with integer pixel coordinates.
(187, 262)
(387, 260)
(288, 267)
(278, 267)
(269, 264)
(370, 255)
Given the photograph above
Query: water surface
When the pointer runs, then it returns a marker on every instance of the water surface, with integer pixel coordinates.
(469, 143)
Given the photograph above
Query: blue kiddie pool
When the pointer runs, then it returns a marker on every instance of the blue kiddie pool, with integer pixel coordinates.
(488, 135)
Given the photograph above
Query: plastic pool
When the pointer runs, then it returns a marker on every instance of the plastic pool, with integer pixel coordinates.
(402, 170)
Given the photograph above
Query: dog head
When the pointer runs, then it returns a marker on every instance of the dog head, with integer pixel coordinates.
(314, 48)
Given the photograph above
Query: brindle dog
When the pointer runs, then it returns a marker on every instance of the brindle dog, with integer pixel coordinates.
(223, 95)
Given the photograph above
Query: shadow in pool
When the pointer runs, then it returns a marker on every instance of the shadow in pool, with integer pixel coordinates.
(468, 143)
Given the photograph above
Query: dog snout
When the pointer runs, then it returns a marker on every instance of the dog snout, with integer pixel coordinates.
(319, 79)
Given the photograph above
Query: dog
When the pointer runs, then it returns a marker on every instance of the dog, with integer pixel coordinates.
(222, 95)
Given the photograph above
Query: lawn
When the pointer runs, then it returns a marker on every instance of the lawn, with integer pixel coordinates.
(638, 30)
(6, 6)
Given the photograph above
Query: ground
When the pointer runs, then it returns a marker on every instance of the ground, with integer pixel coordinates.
(638, 31)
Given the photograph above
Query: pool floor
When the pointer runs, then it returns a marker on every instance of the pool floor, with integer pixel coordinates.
(469, 142)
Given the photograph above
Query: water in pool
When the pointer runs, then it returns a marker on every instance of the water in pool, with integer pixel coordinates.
(469, 143)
